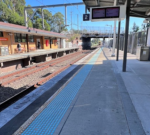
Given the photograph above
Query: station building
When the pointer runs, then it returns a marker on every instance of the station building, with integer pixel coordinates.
(52, 45)
(11, 35)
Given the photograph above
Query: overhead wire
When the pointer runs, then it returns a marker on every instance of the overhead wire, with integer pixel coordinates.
(53, 10)
(80, 15)
(78, 10)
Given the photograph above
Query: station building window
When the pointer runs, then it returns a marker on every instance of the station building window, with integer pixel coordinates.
(23, 37)
(18, 37)
(1, 34)
(31, 38)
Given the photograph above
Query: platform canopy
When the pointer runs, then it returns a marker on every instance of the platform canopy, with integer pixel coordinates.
(138, 8)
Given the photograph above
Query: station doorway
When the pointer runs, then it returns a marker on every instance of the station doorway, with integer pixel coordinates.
(38, 43)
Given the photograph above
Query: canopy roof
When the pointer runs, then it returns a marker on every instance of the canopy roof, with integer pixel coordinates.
(138, 8)
(22, 29)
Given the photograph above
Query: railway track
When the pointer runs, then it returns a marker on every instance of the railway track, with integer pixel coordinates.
(37, 68)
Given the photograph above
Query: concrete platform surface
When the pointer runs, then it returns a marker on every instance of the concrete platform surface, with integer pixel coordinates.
(137, 83)
(103, 105)
(33, 54)
(99, 100)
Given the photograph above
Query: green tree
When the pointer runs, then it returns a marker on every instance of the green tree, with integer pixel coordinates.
(57, 23)
(15, 5)
(4, 11)
(38, 24)
(76, 31)
(95, 41)
(135, 28)
(37, 19)
(73, 37)
(16, 19)
(30, 11)
(12, 11)
(47, 14)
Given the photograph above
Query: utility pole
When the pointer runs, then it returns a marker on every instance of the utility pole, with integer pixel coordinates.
(66, 15)
(71, 19)
(77, 23)
(42, 19)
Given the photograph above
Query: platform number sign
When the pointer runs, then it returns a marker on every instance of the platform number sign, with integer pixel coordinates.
(86, 17)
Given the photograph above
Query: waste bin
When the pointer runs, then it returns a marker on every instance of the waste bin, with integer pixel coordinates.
(142, 53)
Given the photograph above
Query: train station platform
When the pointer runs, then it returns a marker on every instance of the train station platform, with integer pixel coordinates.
(14, 62)
(34, 54)
(99, 99)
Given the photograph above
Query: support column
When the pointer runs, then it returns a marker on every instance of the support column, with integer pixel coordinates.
(103, 41)
(60, 43)
(126, 35)
(119, 23)
(114, 40)
(42, 19)
(146, 36)
(114, 37)
(11, 46)
(27, 41)
(86, 43)
(65, 15)
(25, 18)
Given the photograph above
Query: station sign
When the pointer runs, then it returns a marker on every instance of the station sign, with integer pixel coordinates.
(3, 39)
(86, 17)
(108, 13)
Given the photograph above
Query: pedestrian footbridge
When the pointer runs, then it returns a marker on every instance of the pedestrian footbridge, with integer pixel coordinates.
(96, 32)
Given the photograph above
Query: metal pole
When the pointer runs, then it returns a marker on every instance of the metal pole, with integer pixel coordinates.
(146, 36)
(77, 23)
(111, 31)
(42, 19)
(114, 37)
(66, 15)
(119, 23)
(85, 10)
(126, 35)
(114, 40)
(27, 41)
(25, 17)
(56, 5)
(71, 20)
(11, 43)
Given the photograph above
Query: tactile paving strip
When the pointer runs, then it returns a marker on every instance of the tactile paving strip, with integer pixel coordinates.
(48, 120)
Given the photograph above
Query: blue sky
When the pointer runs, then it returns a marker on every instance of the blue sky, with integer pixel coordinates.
(80, 10)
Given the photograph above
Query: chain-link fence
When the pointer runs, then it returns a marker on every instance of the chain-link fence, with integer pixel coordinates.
(134, 40)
